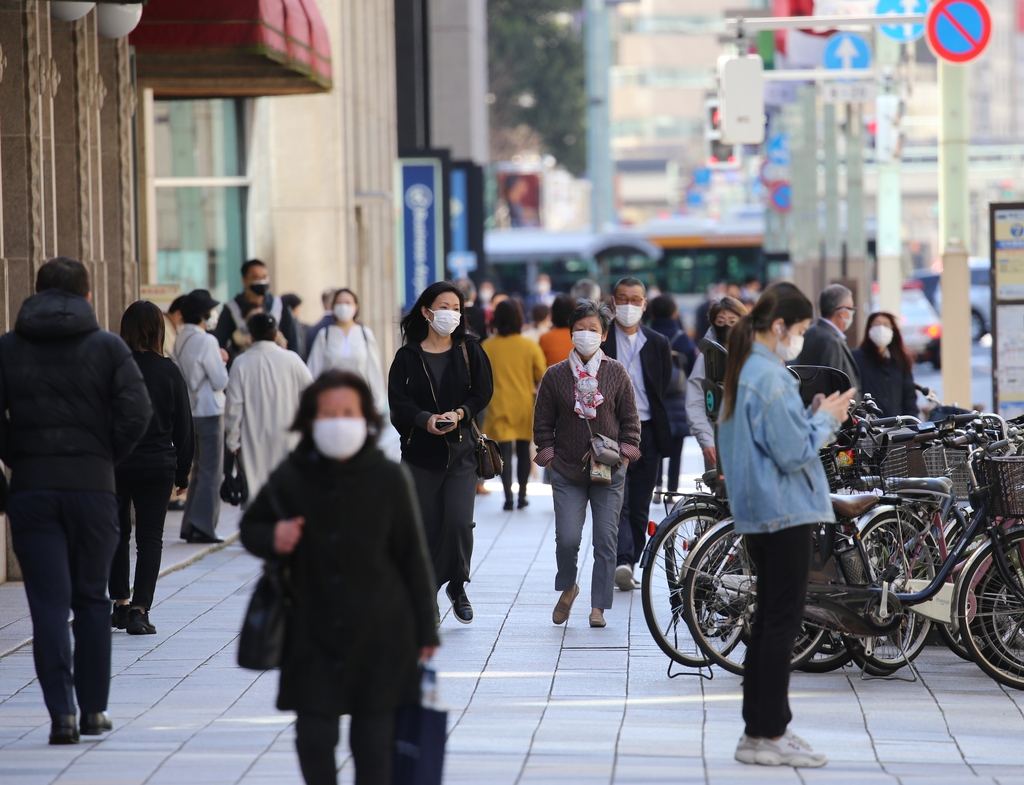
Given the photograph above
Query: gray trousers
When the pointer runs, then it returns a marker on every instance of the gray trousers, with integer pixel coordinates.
(570, 514)
(202, 508)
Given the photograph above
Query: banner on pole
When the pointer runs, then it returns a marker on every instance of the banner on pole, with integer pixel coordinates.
(419, 214)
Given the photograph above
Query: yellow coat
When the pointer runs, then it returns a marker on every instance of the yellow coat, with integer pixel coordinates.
(517, 364)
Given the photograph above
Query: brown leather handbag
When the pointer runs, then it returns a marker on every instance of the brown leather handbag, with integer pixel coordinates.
(488, 455)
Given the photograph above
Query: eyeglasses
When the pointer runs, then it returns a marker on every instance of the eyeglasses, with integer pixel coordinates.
(849, 308)
(623, 300)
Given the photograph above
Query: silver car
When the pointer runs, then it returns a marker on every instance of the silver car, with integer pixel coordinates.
(980, 295)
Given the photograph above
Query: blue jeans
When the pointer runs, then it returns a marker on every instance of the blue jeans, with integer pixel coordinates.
(636, 506)
(570, 514)
(65, 542)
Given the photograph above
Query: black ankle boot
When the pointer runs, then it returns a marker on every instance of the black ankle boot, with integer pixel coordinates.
(119, 618)
(63, 729)
(96, 723)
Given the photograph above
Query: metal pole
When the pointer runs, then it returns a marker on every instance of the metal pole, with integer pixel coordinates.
(856, 236)
(807, 260)
(833, 244)
(888, 239)
(599, 163)
(955, 232)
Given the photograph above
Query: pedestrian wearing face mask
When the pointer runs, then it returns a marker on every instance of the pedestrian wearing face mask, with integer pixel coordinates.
(230, 327)
(648, 360)
(364, 604)
(588, 394)
(825, 342)
(440, 380)
(347, 345)
(722, 315)
(262, 396)
(778, 491)
(886, 367)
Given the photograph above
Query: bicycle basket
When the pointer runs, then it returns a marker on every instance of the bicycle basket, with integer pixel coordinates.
(941, 461)
(894, 465)
(828, 462)
(1006, 476)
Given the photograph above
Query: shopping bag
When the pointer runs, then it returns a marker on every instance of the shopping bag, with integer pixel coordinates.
(420, 735)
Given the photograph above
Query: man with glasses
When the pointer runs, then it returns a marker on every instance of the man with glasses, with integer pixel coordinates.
(825, 340)
(648, 360)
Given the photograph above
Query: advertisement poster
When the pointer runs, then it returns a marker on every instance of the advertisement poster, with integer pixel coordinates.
(419, 256)
(1009, 348)
(518, 200)
(1008, 253)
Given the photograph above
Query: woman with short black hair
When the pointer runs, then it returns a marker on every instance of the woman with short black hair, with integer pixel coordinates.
(363, 599)
(160, 461)
(439, 381)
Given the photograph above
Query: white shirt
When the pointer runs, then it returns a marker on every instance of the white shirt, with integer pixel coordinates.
(333, 350)
(628, 347)
(262, 398)
(198, 356)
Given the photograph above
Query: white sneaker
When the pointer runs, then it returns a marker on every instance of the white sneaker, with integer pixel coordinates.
(745, 749)
(790, 750)
(624, 578)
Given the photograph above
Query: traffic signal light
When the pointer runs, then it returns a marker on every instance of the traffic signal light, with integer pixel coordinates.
(718, 154)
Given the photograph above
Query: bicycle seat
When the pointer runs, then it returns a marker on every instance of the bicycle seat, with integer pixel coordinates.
(939, 485)
(853, 506)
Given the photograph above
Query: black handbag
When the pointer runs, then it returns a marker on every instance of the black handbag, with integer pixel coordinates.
(261, 644)
(235, 489)
(420, 736)
(488, 455)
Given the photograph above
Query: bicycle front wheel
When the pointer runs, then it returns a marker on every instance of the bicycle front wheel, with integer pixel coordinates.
(990, 613)
(663, 580)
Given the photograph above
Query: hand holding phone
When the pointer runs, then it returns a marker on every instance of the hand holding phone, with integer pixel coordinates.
(444, 425)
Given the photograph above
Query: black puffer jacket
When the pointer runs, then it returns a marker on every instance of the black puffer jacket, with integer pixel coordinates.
(72, 398)
(411, 392)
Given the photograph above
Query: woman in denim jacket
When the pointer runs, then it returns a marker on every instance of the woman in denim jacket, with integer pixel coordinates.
(769, 445)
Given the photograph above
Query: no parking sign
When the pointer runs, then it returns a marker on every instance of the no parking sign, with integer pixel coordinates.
(958, 30)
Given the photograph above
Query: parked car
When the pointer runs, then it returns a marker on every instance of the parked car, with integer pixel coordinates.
(981, 293)
(919, 323)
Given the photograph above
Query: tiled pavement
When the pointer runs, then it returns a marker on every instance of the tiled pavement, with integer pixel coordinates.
(529, 702)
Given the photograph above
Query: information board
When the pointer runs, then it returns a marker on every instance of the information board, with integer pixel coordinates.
(1006, 241)
(1008, 252)
(1009, 348)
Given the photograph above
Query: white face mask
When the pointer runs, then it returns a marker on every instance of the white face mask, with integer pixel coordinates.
(586, 342)
(211, 320)
(543, 288)
(339, 437)
(628, 315)
(344, 312)
(486, 295)
(847, 320)
(880, 335)
(790, 352)
(445, 322)
(178, 329)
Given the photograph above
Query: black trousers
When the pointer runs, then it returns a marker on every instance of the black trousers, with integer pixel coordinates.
(522, 467)
(781, 562)
(447, 498)
(148, 491)
(641, 477)
(65, 542)
(371, 738)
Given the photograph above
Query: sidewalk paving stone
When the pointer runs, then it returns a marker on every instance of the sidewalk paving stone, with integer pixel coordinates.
(528, 702)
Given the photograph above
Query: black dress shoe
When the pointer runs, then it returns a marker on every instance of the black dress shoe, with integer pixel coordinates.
(63, 729)
(195, 536)
(508, 504)
(119, 618)
(138, 623)
(460, 605)
(523, 502)
(96, 723)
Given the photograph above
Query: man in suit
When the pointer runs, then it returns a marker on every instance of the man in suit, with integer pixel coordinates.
(825, 340)
(648, 360)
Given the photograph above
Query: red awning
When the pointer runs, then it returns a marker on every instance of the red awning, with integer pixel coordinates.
(223, 48)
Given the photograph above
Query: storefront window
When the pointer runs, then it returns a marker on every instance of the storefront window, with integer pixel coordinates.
(201, 191)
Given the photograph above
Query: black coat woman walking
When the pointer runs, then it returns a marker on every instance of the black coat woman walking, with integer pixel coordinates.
(364, 606)
(162, 459)
(439, 381)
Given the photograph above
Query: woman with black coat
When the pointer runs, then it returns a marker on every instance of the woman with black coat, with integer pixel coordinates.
(364, 606)
(161, 460)
(886, 367)
(439, 381)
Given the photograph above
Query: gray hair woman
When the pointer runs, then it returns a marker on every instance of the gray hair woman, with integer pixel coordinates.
(580, 397)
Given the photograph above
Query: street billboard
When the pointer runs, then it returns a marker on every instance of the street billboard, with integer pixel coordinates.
(1006, 241)
(419, 221)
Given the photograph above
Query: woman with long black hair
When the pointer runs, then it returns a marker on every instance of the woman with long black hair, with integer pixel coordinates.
(768, 444)
(439, 381)
(886, 367)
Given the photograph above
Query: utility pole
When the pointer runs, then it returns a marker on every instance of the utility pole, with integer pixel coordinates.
(833, 243)
(599, 155)
(955, 232)
(856, 236)
(888, 239)
(805, 245)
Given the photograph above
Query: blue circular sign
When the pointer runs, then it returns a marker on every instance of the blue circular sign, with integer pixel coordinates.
(903, 33)
(845, 51)
(958, 30)
(780, 197)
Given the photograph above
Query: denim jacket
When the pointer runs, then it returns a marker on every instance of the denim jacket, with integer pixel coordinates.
(769, 450)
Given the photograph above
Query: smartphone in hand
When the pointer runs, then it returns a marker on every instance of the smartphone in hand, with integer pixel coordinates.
(444, 425)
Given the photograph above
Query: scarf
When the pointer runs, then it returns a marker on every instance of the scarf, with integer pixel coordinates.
(588, 397)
